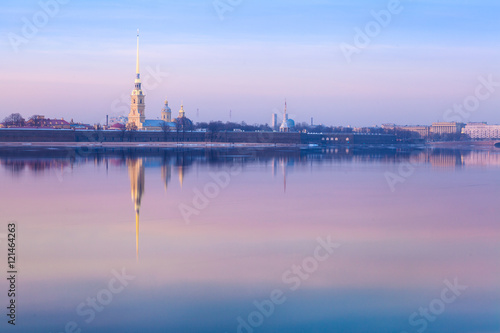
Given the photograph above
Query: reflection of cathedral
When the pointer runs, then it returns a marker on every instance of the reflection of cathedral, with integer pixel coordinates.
(136, 171)
(136, 174)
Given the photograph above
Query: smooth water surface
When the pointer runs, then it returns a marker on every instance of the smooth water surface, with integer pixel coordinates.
(284, 240)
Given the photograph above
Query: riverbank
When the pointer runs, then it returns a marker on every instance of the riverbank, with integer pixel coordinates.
(490, 144)
(144, 144)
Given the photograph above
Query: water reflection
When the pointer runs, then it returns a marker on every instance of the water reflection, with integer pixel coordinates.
(39, 160)
(136, 174)
(17, 166)
(397, 248)
(166, 173)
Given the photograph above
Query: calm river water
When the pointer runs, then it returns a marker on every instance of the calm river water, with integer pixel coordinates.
(265, 240)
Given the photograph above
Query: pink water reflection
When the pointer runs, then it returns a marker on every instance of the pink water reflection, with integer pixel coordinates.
(439, 224)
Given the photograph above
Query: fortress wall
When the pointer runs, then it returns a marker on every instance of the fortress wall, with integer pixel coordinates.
(57, 135)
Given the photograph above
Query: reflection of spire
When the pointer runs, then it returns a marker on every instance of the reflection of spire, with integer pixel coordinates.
(137, 235)
(136, 174)
(283, 168)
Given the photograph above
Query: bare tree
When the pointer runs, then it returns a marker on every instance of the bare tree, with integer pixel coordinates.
(123, 130)
(214, 127)
(14, 120)
(178, 128)
(165, 129)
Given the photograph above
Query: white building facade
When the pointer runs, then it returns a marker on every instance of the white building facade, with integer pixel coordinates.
(482, 131)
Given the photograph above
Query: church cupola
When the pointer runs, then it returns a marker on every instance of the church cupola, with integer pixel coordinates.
(166, 113)
(182, 113)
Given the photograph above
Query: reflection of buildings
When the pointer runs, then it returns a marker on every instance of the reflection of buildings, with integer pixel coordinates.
(283, 169)
(284, 162)
(445, 160)
(481, 158)
(180, 171)
(182, 163)
(136, 174)
(37, 166)
(166, 173)
(136, 171)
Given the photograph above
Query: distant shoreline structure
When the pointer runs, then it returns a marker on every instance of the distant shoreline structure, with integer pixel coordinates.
(226, 137)
(447, 144)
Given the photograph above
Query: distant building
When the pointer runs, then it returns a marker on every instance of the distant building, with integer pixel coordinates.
(423, 130)
(274, 121)
(118, 120)
(288, 124)
(82, 126)
(482, 131)
(166, 113)
(42, 122)
(447, 128)
(368, 130)
(117, 126)
(182, 122)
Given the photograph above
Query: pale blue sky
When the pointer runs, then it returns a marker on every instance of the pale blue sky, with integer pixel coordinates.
(81, 63)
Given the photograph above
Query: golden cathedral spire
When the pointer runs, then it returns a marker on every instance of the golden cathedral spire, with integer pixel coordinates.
(137, 64)
(137, 115)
